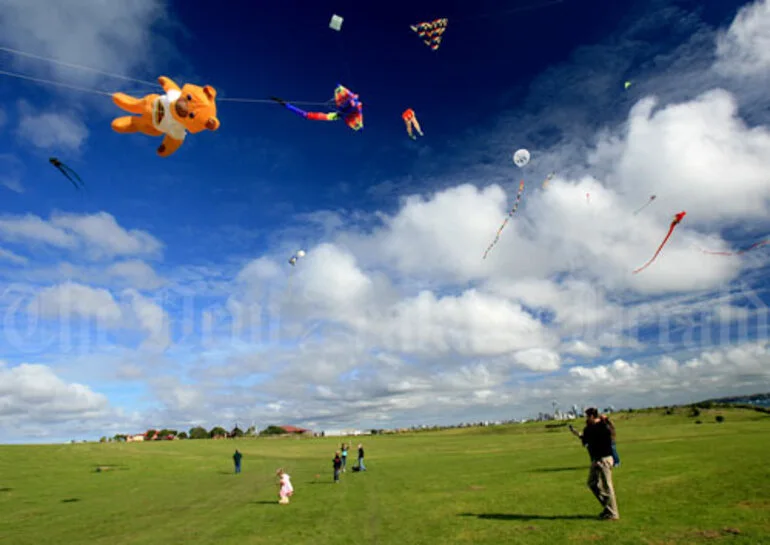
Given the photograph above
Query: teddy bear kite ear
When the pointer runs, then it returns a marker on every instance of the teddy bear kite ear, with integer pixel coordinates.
(210, 92)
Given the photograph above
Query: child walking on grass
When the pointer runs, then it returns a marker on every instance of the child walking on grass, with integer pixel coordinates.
(286, 489)
(337, 466)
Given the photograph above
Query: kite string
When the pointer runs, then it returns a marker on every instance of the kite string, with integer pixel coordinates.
(118, 76)
(105, 93)
(78, 66)
(57, 83)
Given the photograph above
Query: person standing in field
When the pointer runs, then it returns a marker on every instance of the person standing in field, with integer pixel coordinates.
(606, 419)
(344, 457)
(615, 457)
(237, 459)
(286, 489)
(337, 466)
(361, 466)
(597, 436)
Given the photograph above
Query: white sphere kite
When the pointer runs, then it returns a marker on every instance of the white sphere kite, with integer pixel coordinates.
(301, 253)
(521, 157)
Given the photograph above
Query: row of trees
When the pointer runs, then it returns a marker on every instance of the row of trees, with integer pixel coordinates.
(200, 432)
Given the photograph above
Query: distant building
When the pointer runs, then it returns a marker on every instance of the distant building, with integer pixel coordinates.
(294, 430)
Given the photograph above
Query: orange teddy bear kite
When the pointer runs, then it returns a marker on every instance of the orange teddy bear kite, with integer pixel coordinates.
(190, 108)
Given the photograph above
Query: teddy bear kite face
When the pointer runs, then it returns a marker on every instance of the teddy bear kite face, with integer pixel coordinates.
(196, 109)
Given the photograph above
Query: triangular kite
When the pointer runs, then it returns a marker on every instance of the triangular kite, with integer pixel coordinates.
(431, 33)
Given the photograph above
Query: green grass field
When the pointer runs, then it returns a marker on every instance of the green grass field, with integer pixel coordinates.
(679, 483)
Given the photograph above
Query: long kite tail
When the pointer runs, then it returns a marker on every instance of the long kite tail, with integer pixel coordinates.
(740, 252)
(68, 170)
(505, 221)
(677, 219)
(290, 107)
(60, 167)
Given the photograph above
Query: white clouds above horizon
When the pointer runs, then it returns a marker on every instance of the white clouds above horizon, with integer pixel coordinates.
(99, 235)
(404, 320)
(51, 130)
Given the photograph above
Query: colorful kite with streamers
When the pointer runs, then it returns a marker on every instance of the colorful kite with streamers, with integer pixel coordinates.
(677, 220)
(548, 179)
(510, 215)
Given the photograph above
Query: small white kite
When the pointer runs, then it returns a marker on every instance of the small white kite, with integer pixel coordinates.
(521, 157)
(295, 257)
(336, 23)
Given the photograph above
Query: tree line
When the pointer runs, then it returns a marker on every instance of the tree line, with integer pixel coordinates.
(200, 432)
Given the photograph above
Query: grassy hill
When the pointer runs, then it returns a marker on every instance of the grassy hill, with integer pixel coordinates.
(680, 482)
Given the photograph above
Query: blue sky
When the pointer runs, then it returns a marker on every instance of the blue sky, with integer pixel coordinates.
(161, 295)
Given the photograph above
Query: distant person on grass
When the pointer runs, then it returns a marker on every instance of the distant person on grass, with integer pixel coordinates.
(286, 490)
(361, 466)
(597, 436)
(237, 459)
(344, 457)
(337, 466)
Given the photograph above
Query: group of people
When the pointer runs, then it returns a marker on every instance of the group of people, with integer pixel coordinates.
(340, 461)
(286, 489)
(599, 437)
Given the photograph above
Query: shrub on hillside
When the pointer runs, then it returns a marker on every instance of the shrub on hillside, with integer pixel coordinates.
(720, 418)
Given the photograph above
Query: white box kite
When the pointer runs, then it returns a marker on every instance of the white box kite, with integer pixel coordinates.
(336, 22)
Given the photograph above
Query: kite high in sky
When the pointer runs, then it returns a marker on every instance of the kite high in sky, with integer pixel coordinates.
(172, 115)
(347, 106)
(68, 172)
(411, 122)
(677, 220)
(431, 32)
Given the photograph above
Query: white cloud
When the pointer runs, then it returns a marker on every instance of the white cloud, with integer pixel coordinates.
(75, 300)
(33, 395)
(30, 228)
(12, 257)
(136, 273)
(151, 319)
(11, 169)
(99, 234)
(731, 367)
(744, 48)
(98, 35)
(52, 130)
(686, 152)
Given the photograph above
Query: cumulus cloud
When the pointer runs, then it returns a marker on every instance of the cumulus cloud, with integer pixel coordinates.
(16, 259)
(99, 234)
(98, 36)
(75, 300)
(136, 274)
(33, 396)
(51, 130)
(733, 367)
(744, 48)
(150, 318)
